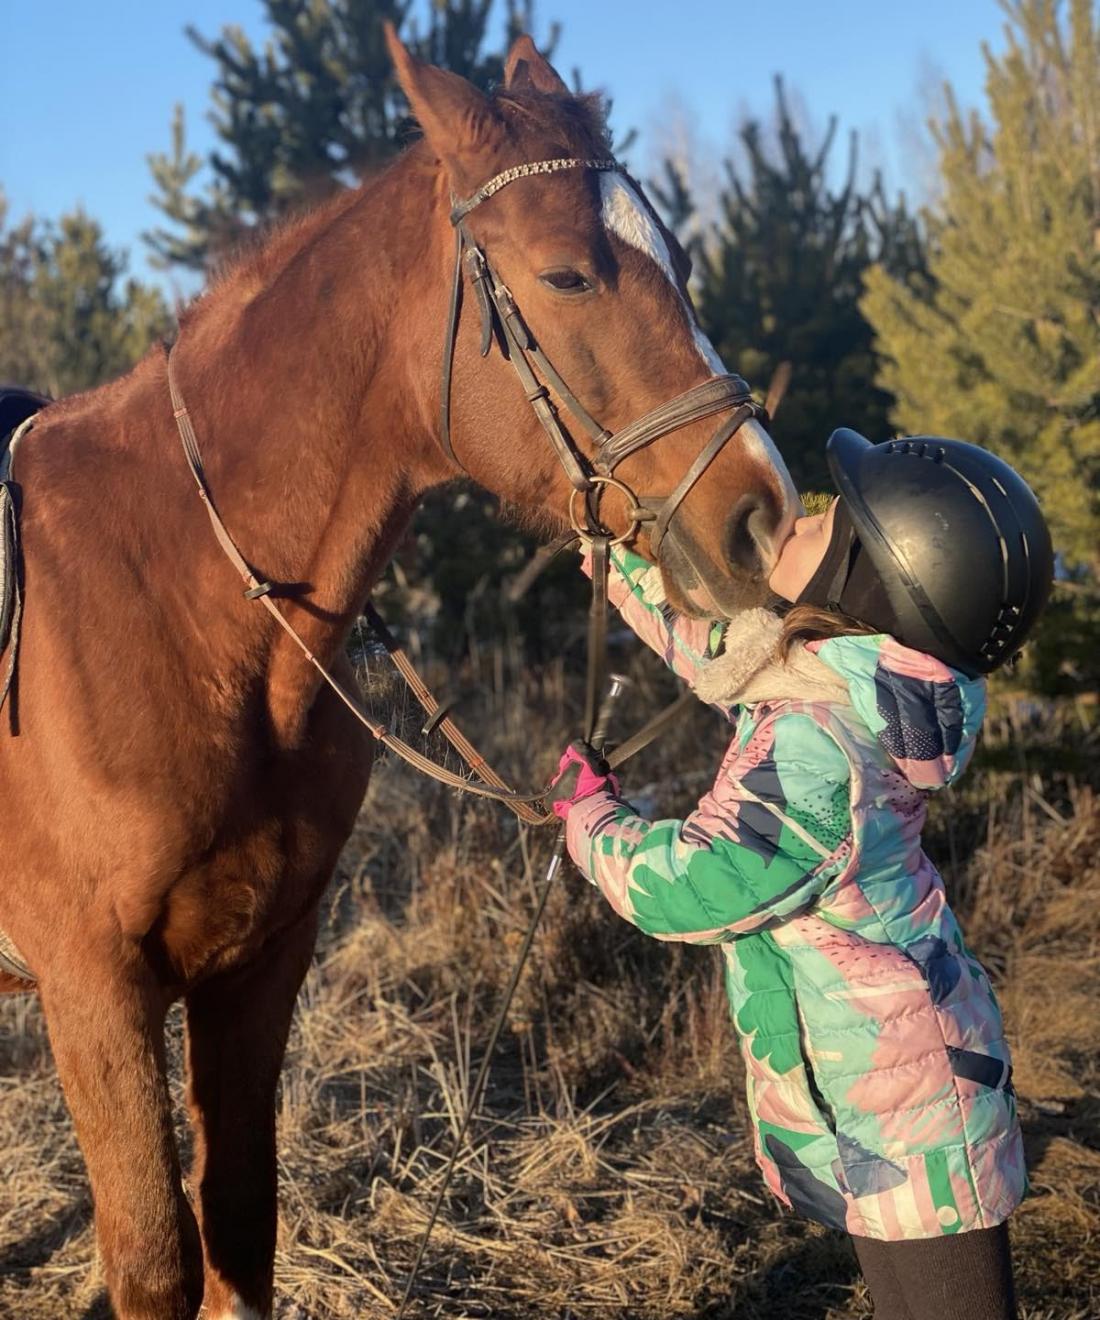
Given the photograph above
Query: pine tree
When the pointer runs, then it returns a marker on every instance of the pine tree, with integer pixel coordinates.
(780, 277)
(676, 203)
(999, 341)
(21, 323)
(314, 110)
(67, 319)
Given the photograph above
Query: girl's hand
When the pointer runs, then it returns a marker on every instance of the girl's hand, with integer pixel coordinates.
(582, 771)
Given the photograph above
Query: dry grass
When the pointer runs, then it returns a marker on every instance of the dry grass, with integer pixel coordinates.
(610, 1173)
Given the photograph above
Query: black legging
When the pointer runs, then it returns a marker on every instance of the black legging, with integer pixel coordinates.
(967, 1276)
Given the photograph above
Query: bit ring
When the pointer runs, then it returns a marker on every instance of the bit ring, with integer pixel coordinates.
(587, 532)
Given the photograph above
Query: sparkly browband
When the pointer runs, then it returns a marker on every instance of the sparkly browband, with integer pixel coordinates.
(462, 209)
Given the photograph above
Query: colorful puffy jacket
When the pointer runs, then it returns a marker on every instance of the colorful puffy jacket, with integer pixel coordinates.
(878, 1075)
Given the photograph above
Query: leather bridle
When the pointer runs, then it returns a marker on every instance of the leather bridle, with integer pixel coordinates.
(501, 320)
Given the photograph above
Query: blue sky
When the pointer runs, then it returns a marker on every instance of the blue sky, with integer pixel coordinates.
(91, 88)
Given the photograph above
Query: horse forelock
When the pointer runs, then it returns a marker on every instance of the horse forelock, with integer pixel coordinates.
(575, 122)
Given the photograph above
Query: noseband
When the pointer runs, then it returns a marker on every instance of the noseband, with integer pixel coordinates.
(502, 320)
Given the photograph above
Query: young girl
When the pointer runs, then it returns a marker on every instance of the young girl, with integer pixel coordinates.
(878, 1074)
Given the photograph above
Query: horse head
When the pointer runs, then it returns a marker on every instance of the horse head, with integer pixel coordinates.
(582, 270)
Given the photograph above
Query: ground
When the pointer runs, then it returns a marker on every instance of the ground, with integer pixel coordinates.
(610, 1172)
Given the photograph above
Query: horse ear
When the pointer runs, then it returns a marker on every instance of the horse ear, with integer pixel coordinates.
(457, 119)
(526, 67)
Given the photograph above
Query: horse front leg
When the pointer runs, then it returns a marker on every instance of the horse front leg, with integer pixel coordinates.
(237, 1028)
(105, 1016)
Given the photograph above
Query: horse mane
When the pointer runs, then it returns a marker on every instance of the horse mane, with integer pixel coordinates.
(262, 250)
(580, 118)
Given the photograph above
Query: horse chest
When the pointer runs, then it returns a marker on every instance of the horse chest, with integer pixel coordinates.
(270, 863)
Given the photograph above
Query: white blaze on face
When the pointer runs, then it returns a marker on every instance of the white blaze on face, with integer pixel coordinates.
(757, 440)
(627, 217)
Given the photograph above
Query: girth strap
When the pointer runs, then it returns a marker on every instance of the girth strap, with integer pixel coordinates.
(9, 515)
(9, 635)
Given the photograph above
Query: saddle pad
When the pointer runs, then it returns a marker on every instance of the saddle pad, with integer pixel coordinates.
(9, 562)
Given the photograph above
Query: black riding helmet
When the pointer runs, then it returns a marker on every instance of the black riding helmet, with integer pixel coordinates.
(938, 543)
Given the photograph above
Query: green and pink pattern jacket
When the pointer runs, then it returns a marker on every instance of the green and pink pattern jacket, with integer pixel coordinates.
(878, 1074)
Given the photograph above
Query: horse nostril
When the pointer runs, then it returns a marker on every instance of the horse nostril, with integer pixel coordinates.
(748, 536)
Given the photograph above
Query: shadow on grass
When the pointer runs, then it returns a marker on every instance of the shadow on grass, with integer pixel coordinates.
(1075, 1120)
(810, 1281)
(19, 1260)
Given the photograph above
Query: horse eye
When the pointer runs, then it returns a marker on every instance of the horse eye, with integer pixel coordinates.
(565, 280)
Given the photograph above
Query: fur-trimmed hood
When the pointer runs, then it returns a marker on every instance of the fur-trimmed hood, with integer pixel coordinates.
(748, 668)
(924, 714)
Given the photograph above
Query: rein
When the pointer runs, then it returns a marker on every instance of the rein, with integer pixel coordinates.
(259, 589)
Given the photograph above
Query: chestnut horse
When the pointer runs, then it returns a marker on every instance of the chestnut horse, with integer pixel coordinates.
(180, 783)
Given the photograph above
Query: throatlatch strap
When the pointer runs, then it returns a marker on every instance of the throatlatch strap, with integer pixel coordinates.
(449, 353)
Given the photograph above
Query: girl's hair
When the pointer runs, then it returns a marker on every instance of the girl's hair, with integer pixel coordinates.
(813, 623)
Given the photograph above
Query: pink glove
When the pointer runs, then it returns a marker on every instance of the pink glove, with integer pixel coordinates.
(582, 771)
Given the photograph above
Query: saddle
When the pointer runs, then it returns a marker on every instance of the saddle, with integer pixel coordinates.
(17, 406)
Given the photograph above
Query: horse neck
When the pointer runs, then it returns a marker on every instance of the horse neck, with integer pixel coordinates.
(305, 378)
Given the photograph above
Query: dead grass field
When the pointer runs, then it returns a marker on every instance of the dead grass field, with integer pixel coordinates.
(610, 1173)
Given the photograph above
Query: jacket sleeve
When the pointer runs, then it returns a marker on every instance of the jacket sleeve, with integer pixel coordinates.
(636, 590)
(759, 848)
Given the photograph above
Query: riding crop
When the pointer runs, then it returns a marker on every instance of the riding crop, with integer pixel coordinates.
(597, 736)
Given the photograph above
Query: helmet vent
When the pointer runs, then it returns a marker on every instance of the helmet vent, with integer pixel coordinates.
(1001, 633)
(917, 448)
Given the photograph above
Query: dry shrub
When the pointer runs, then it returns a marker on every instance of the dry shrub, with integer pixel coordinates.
(610, 1173)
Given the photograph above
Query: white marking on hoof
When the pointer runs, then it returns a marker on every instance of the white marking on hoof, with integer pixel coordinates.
(239, 1311)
